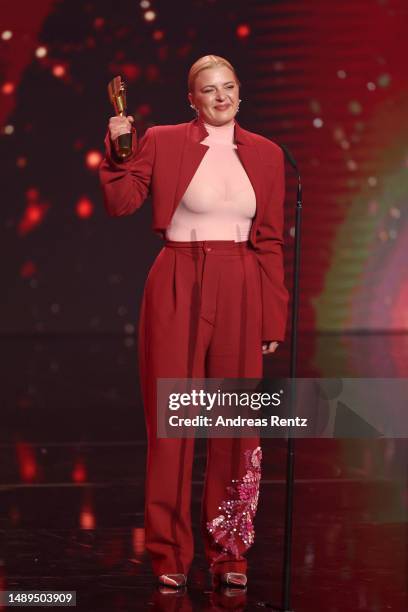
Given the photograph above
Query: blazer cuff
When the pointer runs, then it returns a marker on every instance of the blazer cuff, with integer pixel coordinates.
(110, 155)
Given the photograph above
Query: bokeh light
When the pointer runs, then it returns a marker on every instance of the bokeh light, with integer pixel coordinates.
(41, 51)
(93, 159)
(243, 30)
(58, 70)
(7, 88)
(150, 15)
(28, 269)
(84, 208)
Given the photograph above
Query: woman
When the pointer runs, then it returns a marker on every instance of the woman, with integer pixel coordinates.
(214, 302)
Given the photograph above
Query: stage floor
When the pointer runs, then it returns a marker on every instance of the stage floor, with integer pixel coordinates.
(72, 457)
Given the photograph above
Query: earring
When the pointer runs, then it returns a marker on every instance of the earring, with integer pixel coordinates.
(239, 101)
(197, 111)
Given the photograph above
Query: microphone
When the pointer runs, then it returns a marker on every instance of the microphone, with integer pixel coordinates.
(289, 157)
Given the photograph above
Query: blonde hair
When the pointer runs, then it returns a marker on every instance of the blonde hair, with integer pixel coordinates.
(207, 61)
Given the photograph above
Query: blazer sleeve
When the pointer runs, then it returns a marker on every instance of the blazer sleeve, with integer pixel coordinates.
(269, 252)
(126, 183)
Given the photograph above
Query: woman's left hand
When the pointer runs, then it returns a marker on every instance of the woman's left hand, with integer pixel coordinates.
(269, 347)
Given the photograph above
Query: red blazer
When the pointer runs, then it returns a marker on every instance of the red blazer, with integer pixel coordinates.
(164, 161)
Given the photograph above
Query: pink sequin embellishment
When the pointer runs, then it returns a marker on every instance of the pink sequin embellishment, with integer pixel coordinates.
(236, 519)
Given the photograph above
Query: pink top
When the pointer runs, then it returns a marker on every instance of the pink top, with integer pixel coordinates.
(219, 203)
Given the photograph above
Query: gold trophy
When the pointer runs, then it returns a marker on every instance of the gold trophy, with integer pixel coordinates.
(117, 96)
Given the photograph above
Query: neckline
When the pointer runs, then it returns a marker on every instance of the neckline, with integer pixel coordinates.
(220, 133)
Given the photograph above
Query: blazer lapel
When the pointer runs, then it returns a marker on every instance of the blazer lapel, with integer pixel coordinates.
(252, 163)
(192, 154)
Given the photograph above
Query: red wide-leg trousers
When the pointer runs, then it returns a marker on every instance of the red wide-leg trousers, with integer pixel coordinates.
(201, 317)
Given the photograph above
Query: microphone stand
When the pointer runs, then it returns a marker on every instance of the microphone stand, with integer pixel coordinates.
(290, 460)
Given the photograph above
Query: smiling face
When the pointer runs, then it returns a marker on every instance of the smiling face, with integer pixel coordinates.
(216, 95)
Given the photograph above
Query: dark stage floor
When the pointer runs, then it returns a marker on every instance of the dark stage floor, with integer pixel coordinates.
(72, 457)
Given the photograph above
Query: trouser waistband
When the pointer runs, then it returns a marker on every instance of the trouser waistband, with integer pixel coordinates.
(216, 246)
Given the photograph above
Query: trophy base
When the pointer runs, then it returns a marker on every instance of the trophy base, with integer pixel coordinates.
(124, 145)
